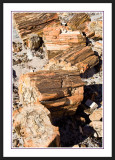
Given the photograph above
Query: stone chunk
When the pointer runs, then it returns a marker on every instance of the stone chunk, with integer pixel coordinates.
(60, 38)
(92, 29)
(33, 22)
(98, 48)
(76, 146)
(34, 125)
(97, 125)
(76, 58)
(60, 91)
(34, 41)
(96, 115)
(17, 47)
(77, 19)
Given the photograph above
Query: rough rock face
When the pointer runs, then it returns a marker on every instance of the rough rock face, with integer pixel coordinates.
(16, 47)
(60, 91)
(96, 115)
(97, 123)
(92, 29)
(97, 26)
(34, 125)
(33, 41)
(59, 38)
(78, 58)
(98, 127)
(97, 46)
(77, 19)
(32, 22)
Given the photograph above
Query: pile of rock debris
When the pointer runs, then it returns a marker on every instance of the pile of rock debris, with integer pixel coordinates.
(52, 104)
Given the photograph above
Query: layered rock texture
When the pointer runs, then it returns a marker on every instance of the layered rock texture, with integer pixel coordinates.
(78, 58)
(92, 29)
(59, 91)
(34, 125)
(96, 121)
(59, 38)
(78, 19)
(32, 23)
(49, 55)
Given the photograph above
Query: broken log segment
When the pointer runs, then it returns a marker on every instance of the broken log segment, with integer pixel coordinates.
(33, 23)
(57, 39)
(77, 58)
(77, 19)
(34, 125)
(52, 89)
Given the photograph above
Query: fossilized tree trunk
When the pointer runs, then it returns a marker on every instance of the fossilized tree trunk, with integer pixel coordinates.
(58, 38)
(78, 19)
(59, 91)
(32, 22)
(33, 123)
(77, 58)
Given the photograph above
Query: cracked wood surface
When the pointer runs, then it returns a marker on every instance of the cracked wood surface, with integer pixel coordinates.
(52, 89)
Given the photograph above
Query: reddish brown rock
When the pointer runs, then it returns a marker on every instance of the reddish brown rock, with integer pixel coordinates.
(77, 58)
(58, 39)
(77, 19)
(59, 91)
(92, 29)
(33, 22)
(34, 125)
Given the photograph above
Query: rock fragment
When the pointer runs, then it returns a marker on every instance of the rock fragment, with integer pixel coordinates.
(98, 127)
(59, 38)
(60, 91)
(17, 47)
(35, 127)
(77, 58)
(96, 115)
(77, 19)
(32, 22)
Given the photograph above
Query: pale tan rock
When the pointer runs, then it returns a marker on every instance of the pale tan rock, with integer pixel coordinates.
(98, 127)
(96, 115)
(35, 126)
(16, 47)
(76, 146)
(98, 48)
(97, 27)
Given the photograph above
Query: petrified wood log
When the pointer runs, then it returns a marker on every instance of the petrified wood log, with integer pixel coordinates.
(59, 38)
(34, 125)
(92, 29)
(77, 19)
(60, 91)
(32, 22)
(78, 58)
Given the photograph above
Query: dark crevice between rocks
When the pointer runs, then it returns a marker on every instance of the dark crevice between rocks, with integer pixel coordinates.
(93, 92)
(69, 126)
